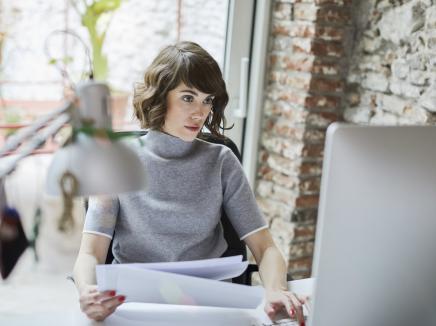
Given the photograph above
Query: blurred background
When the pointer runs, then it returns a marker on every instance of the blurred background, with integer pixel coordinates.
(291, 68)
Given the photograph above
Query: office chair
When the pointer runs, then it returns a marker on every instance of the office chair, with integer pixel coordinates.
(235, 245)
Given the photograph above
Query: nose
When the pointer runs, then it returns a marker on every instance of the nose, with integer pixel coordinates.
(198, 113)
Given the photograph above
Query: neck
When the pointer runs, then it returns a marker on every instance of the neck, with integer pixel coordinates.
(167, 145)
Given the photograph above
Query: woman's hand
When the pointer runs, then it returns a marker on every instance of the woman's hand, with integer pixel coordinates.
(277, 300)
(98, 305)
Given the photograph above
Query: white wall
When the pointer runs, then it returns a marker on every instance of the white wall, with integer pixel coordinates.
(137, 31)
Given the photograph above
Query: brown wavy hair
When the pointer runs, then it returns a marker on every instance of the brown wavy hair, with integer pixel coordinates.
(185, 62)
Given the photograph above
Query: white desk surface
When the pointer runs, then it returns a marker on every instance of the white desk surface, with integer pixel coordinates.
(56, 312)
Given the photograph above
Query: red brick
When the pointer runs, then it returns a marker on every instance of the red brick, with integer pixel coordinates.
(321, 119)
(327, 49)
(282, 11)
(300, 81)
(293, 97)
(318, 48)
(302, 30)
(313, 150)
(280, 28)
(305, 11)
(302, 249)
(311, 168)
(334, 15)
(288, 130)
(326, 2)
(300, 268)
(314, 136)
(334, 2)
(328, 69)
(279, 77)
(305, 232)
(322, 102)
(304, 63)
(330, 33)
(304, 215)
(310, 186)
(326, 85)
(307, 201)
(263, 156)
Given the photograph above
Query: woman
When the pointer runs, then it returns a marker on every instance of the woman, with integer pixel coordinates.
(189, 182)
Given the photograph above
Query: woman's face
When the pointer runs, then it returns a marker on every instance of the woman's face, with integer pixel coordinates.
(187, 111)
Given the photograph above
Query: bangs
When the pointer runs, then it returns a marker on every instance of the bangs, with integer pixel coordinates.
(201, 74)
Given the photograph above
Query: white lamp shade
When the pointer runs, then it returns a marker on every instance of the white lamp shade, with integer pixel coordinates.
(100, 167)
(94, 105)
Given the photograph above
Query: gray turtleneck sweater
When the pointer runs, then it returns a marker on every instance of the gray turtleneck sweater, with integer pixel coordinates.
(178, 216)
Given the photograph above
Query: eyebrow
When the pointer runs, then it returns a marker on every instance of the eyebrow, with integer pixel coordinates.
(194, 92)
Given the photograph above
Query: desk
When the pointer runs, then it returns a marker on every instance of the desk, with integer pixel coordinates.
(135, 314)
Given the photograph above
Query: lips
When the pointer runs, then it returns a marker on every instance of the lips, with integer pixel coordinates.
(193, 128)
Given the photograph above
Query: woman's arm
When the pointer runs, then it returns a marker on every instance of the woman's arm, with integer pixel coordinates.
(273, 269)
(96, 305)
(93, 251)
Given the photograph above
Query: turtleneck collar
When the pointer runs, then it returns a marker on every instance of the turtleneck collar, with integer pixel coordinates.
(168, 146)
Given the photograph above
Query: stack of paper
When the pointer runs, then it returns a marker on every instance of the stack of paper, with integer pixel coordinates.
(182, 283)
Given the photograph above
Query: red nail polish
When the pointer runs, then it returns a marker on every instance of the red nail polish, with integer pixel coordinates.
(112, 293)
(122, 298)
(292, 312)
(302, 323)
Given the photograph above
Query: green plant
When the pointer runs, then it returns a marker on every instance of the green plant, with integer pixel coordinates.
(95, 16)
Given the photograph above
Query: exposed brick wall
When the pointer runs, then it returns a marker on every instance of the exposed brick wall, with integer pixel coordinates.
(304, 94)
(367, 62)
(392, 76)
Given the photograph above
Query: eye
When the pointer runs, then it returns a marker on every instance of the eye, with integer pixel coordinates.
(208, 101)
(188, 98)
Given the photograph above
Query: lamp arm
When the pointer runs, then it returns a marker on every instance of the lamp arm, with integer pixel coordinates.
(15, 140)
(36, 141)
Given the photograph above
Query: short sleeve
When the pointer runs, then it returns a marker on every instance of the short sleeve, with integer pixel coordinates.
(238, 199)
(101, 215)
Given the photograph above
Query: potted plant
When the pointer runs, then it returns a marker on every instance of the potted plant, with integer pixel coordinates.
(94, 17)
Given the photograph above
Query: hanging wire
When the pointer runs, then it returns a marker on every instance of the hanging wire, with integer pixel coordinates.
(89, 71)
(179, 20)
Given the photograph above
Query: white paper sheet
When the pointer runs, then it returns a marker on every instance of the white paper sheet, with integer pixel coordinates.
(141, 285)
(214, 269)
(145, 314)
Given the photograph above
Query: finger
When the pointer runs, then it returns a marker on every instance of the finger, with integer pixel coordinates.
(113, 302)
(99, 312)
(289, 307)
(95, 297)
(101, 296)
(107, 307)
(302, 298)
(298, 308)
(98, 297)
(270, 311)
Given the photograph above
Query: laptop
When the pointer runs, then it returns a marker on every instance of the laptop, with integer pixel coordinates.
(375, 250)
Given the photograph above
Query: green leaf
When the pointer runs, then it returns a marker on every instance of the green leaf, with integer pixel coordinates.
(103, 6)
(52, 61)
